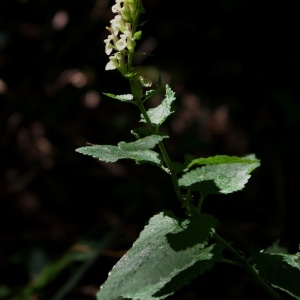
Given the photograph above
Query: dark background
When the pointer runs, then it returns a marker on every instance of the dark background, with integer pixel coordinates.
(233, 65)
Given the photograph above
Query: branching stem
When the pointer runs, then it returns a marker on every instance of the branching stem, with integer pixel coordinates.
(242, 261)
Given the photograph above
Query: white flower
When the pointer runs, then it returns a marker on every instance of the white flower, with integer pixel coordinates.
(113, 63)
(110, 66)
(110, 42)
(108, 48)
(117, 8)
(121, 43)
(121, 36)
(108, 45)
(117, 24)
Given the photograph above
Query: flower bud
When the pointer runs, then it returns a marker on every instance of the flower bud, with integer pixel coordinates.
(145, 82)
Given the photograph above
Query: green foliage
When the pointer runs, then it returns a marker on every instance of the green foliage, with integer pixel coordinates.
(149, 142)
(160, 113)
(280, 270)
(220, 175)
(138, 35)
(169, 253)
(223, 159)
(110, 153)
(124, 98)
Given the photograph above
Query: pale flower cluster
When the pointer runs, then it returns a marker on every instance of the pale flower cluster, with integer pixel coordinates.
(120, 38)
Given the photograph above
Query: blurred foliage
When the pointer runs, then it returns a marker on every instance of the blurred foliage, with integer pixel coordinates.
(233, 67)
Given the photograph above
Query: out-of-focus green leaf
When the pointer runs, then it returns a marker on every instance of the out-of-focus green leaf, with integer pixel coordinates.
(5, 291)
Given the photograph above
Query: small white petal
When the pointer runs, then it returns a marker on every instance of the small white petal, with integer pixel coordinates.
(110, 66)
(121, 44)
(117, 7)
(108, 48)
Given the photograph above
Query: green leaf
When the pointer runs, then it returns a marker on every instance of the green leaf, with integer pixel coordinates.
(159, 114)
(282, 271)
(109, 153)
(123, 98)
(130, 75)
(138, 35)
(145, 143)
(168, 254)
(219, 178)
(223, 159)
(5, 292)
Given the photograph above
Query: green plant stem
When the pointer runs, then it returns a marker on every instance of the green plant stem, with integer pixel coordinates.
(154, 129)
(245, 264)
(161, 146)
(200, 203)
(172, 173)
(229, 262)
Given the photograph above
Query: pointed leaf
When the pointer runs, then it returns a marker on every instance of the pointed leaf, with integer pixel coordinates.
(223, 159)
(137, 35)
(219, 178)
(145, 143)
(159, 114)
(169, 253)
(109, 153)
(123, 98)
(282, 271)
